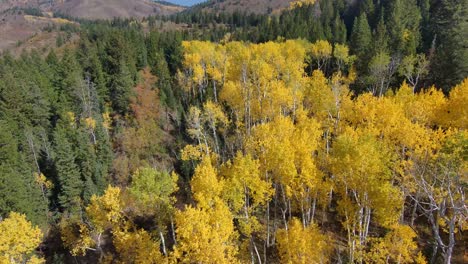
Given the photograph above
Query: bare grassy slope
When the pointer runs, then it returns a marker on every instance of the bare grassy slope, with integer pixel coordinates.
(8, 4)
(107, 9)
(96, 9)
(19, 30)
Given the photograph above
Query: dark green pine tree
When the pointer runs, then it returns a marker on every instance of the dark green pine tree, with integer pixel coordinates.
(69, 182)
(67, 76)
(380, 37)
(161, 70)
(19, 191)
(367, 7)
(403, 25)
(121, 89)
(426, 33)
(92, 68)
(339, 30)
(361, 39)
(104, 157)
(86, 161)
(361, 36)
(450, 26)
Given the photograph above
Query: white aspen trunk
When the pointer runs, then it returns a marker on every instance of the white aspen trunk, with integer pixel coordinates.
(163, 243)
(314, 205)
(215, 92)
(173, 231)
(258, 254)
(213, 128)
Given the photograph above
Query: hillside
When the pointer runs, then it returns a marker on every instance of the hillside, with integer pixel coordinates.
(22, 20)
(107, 9)
(329, 131)
(9, 4)
(249, 6)
(17, 28)
(96, 9)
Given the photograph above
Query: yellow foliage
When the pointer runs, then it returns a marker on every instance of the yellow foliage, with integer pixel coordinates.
(43, 181)
(18, 240)
(426, 108)
(300, 3)
(205, 235)
(360, 165)
(107, 121)
(457, 107)
(341, 53)
(191, 152)
(299, 245)
(243, 175)
(137, 247)
(321, 50)
(90, 123)
(76, 237)
(205, 185)
(70, 118)
(398, 246)
(107, 210)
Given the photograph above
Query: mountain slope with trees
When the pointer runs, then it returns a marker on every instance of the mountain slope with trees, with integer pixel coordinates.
(333, 132)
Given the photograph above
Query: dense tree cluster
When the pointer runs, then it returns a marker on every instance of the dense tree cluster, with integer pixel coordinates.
(314, 136)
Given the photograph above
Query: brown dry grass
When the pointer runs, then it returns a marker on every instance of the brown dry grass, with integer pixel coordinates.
(24, 33)
(108, 9)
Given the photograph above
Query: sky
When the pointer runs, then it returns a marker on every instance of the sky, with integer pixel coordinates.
(186, 2)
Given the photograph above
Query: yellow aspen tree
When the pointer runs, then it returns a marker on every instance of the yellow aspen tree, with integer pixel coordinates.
(105, 213)
(111, 222)
(18, 240)
(152, 191)
(246, 192)
(206, 187)
(438, 180)
(287, 158)
(195, 67)
(300, 3)
(107, 210)
(342, 56)
(328, 100)
(214, 117)
(271, 143)
(360, 166)
(292, 68)
(205, 235)
(321, 52)
(302, 245)
(137, 246)
(206, 232)
(424, 108)
(398, 246)
(413, 68)
(309, 188)
(217, 67)
(456, 112)
(195, 127)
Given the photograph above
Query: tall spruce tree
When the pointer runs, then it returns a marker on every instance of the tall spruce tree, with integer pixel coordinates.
(450, 26)
(19, 191)
(69, 182)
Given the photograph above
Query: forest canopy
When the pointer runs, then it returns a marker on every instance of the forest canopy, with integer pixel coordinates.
(329, 133)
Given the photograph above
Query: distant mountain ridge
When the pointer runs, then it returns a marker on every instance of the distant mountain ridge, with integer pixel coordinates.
(96, 9)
